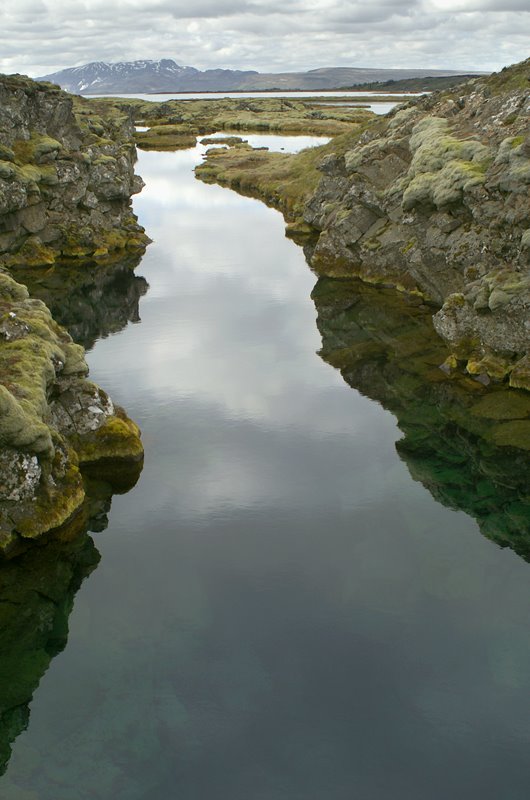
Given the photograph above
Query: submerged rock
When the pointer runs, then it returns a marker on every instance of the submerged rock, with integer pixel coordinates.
(466, 443)
(37, 592)
(89, 303)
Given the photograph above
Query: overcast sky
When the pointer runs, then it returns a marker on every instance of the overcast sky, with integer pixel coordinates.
(41, 36)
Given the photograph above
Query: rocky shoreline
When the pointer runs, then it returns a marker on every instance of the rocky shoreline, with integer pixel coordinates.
(66, 180)
(433, 200)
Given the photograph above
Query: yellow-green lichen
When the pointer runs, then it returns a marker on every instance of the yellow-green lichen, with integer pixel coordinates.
(117, 438)
(512, 434)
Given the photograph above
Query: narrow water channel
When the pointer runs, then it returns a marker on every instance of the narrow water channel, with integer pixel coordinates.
(280, 612)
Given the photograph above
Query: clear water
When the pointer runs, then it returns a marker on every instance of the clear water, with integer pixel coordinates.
(280, 611)
(287, 144)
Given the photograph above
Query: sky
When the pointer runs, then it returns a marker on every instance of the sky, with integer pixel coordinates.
(41, 36)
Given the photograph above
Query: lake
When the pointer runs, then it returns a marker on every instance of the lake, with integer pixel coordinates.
(281, 610)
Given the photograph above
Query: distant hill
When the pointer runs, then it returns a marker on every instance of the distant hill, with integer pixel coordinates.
(427, 84)
(129, 77)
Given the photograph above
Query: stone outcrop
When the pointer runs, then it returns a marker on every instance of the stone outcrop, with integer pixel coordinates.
(53, 422)
(435, 200)
(66, 177)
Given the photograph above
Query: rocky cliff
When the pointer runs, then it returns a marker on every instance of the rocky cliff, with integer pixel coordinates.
(53, 421)
(435, 200)
(66, 178)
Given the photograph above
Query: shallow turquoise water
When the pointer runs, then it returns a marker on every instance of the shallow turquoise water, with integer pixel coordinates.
(280, 611)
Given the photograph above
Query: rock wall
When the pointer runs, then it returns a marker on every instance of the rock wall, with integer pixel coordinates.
(66, 180)
(66, 177)
(53, 421)
(435, 200)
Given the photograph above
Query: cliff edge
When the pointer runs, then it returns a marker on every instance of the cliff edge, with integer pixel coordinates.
(66, 179)
(434, 199)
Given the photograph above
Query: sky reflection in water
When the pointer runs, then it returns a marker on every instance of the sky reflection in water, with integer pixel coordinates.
(280, 612)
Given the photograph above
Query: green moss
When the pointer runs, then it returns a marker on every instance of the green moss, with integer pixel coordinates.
(514, 434)
(20, 426)
(494, 366)
(35, 355)
(104, 159)
(502, 405)
(443, 167)
(146, 140)
(520, 374)
(32, 254)
(443, 188)
(281, 180)
(28, 174)
(6, 153)
(510, 78)
(455, 301)
(371, 245)
(32, 150)
(118, 438)
(54, 507)
(7, 170)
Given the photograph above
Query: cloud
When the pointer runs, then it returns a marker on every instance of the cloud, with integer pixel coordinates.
(40, 36)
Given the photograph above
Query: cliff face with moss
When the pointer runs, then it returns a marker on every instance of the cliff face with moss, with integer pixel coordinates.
(435, 200)
(66, 177)
(53, 423)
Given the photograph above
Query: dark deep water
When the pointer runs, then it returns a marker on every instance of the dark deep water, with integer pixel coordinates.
(280, 611)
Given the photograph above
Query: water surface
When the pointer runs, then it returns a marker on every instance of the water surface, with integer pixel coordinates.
(281, 612)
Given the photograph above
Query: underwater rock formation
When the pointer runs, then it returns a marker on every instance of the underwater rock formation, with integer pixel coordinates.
(90, 304)
(37, 592)
(434, 199)
(466, 443)
(43, 583)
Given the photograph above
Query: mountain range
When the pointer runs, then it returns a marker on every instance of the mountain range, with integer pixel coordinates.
(127, 77)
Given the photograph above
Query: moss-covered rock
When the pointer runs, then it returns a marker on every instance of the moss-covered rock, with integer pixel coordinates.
(66, 177)
(431, 199)
(51, 419)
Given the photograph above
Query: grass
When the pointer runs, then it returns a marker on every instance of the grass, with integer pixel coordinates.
(283, 181)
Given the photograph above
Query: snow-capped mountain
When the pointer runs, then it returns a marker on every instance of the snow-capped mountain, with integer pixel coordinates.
(135, 77)
(165, 75)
